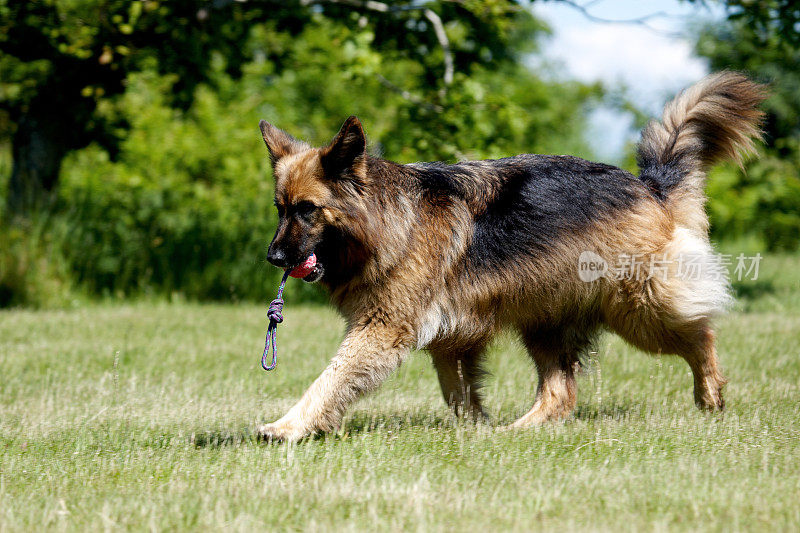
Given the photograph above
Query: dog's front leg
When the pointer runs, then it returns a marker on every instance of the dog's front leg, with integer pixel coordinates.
(365, 359)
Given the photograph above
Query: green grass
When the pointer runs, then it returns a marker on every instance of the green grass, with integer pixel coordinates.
(140, 416)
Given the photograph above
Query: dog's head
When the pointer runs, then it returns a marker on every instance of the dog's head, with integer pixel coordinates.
(312, 190)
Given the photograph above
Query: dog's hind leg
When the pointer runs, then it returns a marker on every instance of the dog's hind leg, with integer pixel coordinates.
(708, 379)
(556, 359)
(694, 341)
(460, 373)
(672, 313)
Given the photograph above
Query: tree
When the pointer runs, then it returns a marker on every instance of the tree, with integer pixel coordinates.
(170, 195)
(61, 60)
(759, 38)
(768, 19)
(64, 62)
(762, 38)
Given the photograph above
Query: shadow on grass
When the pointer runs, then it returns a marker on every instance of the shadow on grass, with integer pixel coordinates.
(366, 424)
(360, 424)
(363, 424)
(223, 438)
(615, 411)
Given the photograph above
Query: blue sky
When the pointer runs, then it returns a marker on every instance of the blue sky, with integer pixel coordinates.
(653, 63)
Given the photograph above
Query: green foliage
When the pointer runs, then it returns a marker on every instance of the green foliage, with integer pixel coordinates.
(173, 193)
(185, 203)
(772, 59)
(32, 270)
(763, 200)
(187, 206)
(64, 61)
(768, 18)
(764, 197)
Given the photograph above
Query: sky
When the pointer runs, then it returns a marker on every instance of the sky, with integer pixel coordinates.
(653, 62)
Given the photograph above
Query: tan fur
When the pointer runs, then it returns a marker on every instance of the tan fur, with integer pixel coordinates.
(289, 185)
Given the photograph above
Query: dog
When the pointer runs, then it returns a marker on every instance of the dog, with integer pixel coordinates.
(442, 256)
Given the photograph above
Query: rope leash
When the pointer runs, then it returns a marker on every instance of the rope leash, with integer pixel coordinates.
(275, 315)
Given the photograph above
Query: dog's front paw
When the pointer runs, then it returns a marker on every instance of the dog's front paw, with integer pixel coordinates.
(283, 431)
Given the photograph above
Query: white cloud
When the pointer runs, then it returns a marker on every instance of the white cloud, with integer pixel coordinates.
(651, 65)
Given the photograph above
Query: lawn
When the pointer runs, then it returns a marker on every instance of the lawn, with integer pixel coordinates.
(140, 416)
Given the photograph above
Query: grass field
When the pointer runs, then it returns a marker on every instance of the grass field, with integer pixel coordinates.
(140, 416)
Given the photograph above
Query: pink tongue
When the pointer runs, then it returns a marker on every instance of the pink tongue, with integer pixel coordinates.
(306, 268)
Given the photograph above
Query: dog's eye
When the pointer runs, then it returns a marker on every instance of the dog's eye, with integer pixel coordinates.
(305, 209)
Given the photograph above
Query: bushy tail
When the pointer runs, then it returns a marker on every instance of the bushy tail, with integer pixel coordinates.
(718, 118)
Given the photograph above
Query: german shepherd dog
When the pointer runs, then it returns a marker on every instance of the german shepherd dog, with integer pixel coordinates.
(442, 256)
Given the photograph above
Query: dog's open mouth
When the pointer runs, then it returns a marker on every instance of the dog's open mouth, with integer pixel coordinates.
(315, 274)
(309, 271)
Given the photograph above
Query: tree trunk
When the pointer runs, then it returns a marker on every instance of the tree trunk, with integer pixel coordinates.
(38, 149)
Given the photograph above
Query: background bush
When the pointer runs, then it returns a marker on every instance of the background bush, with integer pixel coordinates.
(175, 197)
(185, 204)
(762, 200)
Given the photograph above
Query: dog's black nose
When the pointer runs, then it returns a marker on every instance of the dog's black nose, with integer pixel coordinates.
(277, 257)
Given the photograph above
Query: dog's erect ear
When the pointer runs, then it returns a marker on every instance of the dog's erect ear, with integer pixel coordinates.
(346, 156)
(279, 143)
